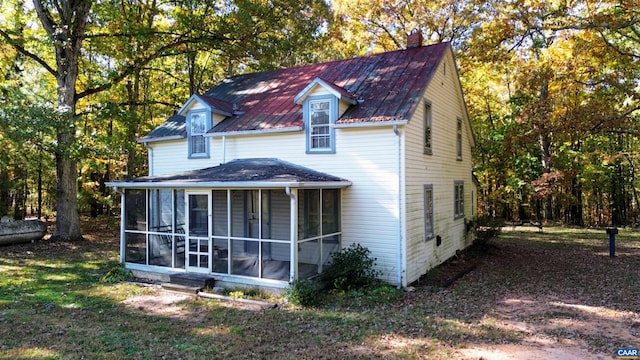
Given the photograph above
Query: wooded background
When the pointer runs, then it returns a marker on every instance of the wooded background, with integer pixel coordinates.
(552, 90)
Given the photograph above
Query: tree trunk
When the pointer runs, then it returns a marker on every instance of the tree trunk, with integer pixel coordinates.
(575, 209)
(5, 196)
(65, 22)
(545, 145)
(67, 217)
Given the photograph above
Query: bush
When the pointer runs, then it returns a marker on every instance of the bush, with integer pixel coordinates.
(116, 274)
(487, 228)
(303, 293)
(351, 268)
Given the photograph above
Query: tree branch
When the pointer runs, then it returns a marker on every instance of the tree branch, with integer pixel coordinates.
(45, 17)
(16, 45)
(137, 64)
(620, 116)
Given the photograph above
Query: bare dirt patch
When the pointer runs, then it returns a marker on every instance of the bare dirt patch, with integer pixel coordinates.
(160, 302)
(570, 299)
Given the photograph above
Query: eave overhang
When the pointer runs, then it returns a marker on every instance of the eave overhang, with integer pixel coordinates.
(145, 140)
(230, 185)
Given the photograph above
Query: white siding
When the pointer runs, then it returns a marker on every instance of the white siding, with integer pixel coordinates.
(363, 156)
(366, 157)
(171, 156)
(440, 169)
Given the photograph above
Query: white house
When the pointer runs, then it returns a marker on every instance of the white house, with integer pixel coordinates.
(260, 179)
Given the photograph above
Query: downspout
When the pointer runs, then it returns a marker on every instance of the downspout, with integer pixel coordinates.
(293, 234)
(400, 262)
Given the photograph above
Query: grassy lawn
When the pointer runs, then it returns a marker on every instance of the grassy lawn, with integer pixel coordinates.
(558, 287)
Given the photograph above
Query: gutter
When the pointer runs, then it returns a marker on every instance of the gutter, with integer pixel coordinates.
(163, 138)
(393, 123)
(253, 132)
(186, 184)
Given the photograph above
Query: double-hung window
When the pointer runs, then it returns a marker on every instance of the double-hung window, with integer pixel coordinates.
(458, 205)
(428, 212)
(319, 123)
(321, 113)
(459, 139)
(427, 129)
(197, 128)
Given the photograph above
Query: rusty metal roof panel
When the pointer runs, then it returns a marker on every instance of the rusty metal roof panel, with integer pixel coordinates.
(389, 86)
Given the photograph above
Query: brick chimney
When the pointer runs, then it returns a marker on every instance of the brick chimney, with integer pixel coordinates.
(414, 39)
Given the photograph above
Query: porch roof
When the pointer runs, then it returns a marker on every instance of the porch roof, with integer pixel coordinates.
(240, 173)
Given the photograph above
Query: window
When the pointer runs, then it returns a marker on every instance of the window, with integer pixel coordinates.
(197, 128)
(427, 129)
(320, 116)
(459, 139)
(428, 212)
(458, 206)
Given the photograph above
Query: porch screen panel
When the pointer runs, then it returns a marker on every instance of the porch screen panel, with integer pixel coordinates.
(135, 248)
(135, 226)
(319, 229)
(276, 260)
(244, 262)
(330, 211)
(135, 209)
(221, 256)
(220, 218)
(280, 215)
(238, 215)
(179, 226)
(161, 210)
(330, 245)
(265, 214)
(309, 213)
(160, 227)
(330, 224)
(179, 209)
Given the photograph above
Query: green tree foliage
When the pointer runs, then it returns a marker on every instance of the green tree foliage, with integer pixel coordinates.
(116, 69)
(551, 89)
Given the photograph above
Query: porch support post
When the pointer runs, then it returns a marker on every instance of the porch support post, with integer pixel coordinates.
(123, 248)
(293, 233)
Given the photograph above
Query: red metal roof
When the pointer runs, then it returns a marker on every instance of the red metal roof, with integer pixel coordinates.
(389, 86)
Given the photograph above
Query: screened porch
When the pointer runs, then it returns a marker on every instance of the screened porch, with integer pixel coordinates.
(274, 234)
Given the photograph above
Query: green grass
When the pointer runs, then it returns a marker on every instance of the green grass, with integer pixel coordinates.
(54, 306)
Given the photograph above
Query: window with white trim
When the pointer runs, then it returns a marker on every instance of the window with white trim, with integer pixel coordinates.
(428, 212)
(459, 139)
(320, 125)
(197, 128)
(427, 129)
(458, 206)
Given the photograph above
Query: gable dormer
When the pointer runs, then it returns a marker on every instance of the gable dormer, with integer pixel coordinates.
(201, 113)
(323, 102)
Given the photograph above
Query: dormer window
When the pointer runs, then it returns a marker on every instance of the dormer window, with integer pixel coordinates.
(198, 144)
(323, 102)
(320, 113)
(319, 125)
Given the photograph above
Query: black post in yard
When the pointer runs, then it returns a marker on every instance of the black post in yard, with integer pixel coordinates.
(612, 231)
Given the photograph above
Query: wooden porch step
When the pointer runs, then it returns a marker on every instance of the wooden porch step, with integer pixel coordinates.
(181, 288)
(199, 281)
